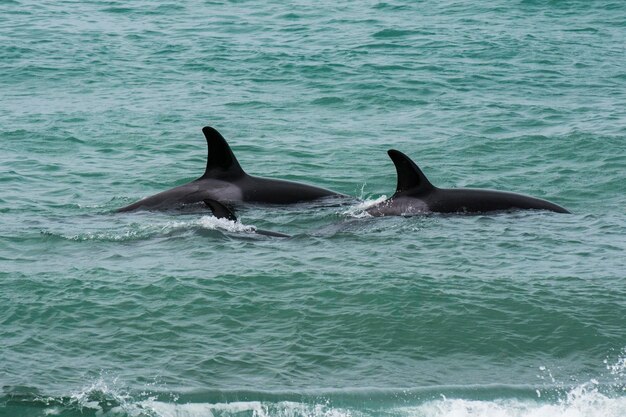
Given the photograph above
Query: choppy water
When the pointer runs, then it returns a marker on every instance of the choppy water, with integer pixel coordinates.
(166, 314)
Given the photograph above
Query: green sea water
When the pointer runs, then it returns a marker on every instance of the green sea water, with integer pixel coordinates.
(180, 314)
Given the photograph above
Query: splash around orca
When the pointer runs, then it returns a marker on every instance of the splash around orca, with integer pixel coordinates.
(416, 195)
(224, 180)
(220, 211)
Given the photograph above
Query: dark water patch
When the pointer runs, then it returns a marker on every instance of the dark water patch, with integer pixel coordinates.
(171, 49)
(383, 45)
(168, 8)
(327, 101)
(290, 16)
(119, 10)
(200, 64)
(251, 104)
(385, 67)
(391, 6)
(392, 33)
(13, 52)
(16, 12)
(583, 30)
(620, 77)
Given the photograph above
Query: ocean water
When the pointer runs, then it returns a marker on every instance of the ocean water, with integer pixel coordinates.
(181, 314)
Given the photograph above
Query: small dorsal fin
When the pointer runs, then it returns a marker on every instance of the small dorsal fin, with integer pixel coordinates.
(220, 160)
(410, 177)
(220, 210)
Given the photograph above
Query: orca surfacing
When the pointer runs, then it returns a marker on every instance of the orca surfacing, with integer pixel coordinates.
(220, 211)
(416, 195)
(224, 180)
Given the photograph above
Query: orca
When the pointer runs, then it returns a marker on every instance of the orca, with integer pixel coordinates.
(224, 180)
(416, 195)
(220, 211)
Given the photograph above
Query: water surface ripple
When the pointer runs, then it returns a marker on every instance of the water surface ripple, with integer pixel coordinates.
(172, 314)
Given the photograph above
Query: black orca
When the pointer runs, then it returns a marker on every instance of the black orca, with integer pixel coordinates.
(224, 180)
(416, 195)
(220, 211)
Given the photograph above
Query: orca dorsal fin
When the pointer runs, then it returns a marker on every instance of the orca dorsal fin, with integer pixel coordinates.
(220, 160)
(410, 177)
(219, 210)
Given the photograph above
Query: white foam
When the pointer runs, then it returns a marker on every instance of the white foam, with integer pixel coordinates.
(211, 222)
(617, 369)
(103, 387)
(246, 408)
(581, 401)
(358, 210)
(591, 399)
(584, 400)
(151, 229)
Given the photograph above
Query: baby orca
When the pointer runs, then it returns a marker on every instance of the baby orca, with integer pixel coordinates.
(220, 211)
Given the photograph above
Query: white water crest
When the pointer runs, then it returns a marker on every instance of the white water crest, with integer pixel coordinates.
(106, 396)
(247, 408)
(581, 401)
(136, 231)
(211, 222)
(584, 400)
(359, 210)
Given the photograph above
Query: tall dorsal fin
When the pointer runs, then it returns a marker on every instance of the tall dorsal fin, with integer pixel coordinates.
(410, 177)
(220, 160)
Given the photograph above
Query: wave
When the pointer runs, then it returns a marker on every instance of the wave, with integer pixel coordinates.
(581, 401)
(107, 396)
(100, 400)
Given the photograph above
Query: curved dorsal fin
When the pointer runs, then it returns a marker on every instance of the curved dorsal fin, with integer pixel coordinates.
(410, 177)
(219, 210)
(220, 160)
